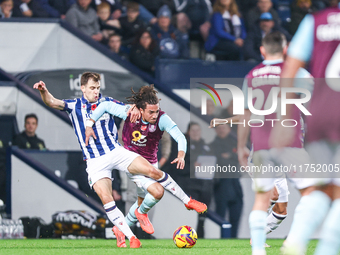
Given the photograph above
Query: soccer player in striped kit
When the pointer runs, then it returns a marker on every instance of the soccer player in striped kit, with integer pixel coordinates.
(317, 41)
(143, 137)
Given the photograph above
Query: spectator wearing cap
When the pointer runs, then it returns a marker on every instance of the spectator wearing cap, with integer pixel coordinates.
(254, 14)
(172, 43)
(227, 32)
(6, 7)
(263, 26)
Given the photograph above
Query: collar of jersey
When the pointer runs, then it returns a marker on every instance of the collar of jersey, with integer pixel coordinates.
(272, 62)
(84, 101)
(144, 122)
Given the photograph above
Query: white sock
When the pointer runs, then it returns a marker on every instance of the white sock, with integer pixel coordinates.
(130, 218)
(257, 224)
(117, 218)
(170, 185)
(148, 202)
(308, 215)
(330, 242)
(273, 221)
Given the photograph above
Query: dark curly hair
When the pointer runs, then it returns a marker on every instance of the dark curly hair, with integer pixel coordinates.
(146, 94)
(153, 44)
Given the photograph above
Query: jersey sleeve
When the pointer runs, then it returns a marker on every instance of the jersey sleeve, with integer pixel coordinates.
(69, 105)
(112, 108)
(303, 79)
(301, 46)
(167, 124)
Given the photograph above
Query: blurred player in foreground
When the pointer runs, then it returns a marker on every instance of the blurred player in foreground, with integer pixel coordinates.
(273, 49)
(318, 41)
(277, 211)
(143, 137)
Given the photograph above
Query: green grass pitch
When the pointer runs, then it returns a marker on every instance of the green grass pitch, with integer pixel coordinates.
(154, 247)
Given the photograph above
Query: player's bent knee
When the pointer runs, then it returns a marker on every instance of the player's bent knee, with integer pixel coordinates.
(158, 192)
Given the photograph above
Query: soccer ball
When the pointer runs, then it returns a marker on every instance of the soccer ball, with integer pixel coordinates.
(185, 237)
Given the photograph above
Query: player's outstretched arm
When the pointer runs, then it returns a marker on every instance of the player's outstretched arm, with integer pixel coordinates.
(47, 97)
(166, 123)
(121, 111)
(217, 122)
(165, 143)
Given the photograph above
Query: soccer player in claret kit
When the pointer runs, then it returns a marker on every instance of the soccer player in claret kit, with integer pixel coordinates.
(105, 153)
(277, 212)
(143, 137)
(263, 89)
(317, 41)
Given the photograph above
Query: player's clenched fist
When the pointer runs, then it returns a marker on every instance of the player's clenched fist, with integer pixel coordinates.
(40, 86)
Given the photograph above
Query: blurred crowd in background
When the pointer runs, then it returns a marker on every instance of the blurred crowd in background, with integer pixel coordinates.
(141, 31)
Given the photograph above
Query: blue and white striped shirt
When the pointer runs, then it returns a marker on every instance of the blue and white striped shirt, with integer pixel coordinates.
(79, 110)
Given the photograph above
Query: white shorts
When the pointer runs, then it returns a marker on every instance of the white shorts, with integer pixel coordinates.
(101, 167)
(280, 184)
(326, 154)
(289, 157)
(282, 188)
(142, 182)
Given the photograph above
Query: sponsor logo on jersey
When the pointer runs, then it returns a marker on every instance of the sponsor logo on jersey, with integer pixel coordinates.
(138, 139)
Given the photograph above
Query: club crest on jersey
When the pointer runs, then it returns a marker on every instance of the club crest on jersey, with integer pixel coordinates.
(152, 128)
(143, 127)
